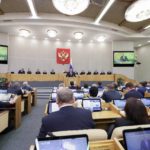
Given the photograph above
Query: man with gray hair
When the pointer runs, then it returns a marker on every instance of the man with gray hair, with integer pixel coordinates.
(68, 117)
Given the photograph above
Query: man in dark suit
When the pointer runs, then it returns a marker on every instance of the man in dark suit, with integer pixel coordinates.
(89, 73)
(111, 94)
(52, 71)
(82, 72)
(68, 117)
(142, 89)
(71, 73)
(38, 72)
(21, 71)
(132, 91)
(95, 72)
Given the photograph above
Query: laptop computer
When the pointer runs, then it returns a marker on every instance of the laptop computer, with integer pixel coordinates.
(137, 139)
(71, 142)
(53, 96)
(52, 107)
(120, 103)
(5, 97)
(2, 91)
(93, 104)
(146, 101)
(78, 95)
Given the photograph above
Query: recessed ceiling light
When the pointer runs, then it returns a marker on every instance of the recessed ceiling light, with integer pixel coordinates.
(71, 7)
(24, 32)
(139, 45)
(78, 35)
(52, 33)
(101, 38)
(138, 11)
(148, 41)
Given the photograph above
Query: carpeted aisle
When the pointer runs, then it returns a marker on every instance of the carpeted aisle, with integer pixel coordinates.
(24, 136)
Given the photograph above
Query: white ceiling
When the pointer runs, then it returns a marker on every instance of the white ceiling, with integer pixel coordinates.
(18, 17)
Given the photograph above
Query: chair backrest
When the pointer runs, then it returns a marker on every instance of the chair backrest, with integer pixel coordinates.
(117, 132)
(93, 134)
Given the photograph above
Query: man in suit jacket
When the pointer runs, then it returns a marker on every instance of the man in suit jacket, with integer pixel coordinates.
(132, 92)
(68, 117)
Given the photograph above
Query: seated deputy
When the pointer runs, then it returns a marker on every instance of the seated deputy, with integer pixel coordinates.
(26, 86)
(68, 117)
(38, 72)
(72, 85)
(136, 114)
(21, 71)
(93, 91)
(95, 72)
(52, 71)
(29, 71)
(111, 93)
(82, 72)
(89, 73)
(131, 91)
(142, 89)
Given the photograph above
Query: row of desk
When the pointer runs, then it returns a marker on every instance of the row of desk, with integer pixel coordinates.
(22, 106)
(62, 77)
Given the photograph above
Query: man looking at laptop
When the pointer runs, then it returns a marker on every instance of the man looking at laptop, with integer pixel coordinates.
(68, 117)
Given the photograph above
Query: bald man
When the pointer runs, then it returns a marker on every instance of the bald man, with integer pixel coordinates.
(68, 117)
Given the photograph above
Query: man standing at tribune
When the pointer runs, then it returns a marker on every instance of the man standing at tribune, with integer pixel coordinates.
(68, 117)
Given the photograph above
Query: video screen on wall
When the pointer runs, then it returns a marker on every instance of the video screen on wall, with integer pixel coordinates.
(123, 58)
(3, 54)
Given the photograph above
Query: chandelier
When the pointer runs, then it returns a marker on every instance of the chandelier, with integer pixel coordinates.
(71, 7)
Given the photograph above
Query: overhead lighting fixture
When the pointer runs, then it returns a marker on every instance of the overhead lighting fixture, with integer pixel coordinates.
(101, 38)
(24, 33)
(148, 41)
(78, 35)
(147, 27)
(52, 33)
(104, 11)
(32, 8)
(138, 11)
(71, 7)
(139, 45)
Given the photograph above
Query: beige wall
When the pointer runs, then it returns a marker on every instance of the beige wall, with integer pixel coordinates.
(142, 72)
(38, 53)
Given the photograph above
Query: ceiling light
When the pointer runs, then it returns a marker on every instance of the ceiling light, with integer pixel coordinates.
(139, 45)
(138, 11)
(71, 7)
(52, 33)
(78, 35)
(32, 8)
(147, 27)
(24, 33)
(148, 41)
(69, 40)
(104, 11)
(101, 38)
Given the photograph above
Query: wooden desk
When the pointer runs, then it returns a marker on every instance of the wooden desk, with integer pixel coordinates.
(106, 145)
(15, 112)
(27, 98)
(4, 120)
(34, 97)
(147, 95)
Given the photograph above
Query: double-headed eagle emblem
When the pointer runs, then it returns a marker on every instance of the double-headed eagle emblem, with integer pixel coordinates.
(63, 56)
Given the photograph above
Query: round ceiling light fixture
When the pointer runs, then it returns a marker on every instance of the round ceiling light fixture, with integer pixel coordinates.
(71, 7)
(101, 38)
(52, 33)
(24, 32)
(78, 35)
(138, 11)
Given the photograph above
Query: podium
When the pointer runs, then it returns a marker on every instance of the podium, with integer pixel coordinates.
(74, 79)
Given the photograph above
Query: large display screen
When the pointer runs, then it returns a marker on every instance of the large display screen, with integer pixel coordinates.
(123, 58)
(3, 54)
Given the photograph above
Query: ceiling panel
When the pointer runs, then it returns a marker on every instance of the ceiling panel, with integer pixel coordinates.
(8, 6)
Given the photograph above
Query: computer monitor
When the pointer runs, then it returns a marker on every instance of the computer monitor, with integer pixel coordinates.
(146, 101)
(71, 142)
(52, 107)
(120, 103)
(137, 139)
(93, 104)
(2, 91)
